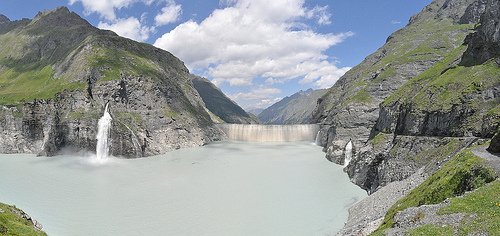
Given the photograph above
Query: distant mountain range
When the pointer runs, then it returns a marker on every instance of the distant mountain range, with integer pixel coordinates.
(255, 111)
(295, 109)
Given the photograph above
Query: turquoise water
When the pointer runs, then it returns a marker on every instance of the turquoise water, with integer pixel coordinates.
(226, 188)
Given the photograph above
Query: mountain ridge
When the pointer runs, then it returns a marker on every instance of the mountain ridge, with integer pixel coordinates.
(294, 109)
(57, 72)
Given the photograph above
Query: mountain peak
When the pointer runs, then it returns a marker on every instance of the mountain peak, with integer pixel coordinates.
(4, 19)
(60, 16)
(443, 9)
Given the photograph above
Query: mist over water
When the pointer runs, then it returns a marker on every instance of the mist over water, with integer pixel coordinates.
(226, 188)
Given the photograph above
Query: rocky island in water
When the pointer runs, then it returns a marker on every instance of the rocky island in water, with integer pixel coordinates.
(415, 125)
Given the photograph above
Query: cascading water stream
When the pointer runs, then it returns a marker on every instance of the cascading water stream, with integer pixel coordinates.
(104, 125)
(318, 137)
(347, 153)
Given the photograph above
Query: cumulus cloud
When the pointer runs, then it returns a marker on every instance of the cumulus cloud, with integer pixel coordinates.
(105, 8)
(250, 39)
(260, 97)
(169, 14)
(320, 14)
(130, 28)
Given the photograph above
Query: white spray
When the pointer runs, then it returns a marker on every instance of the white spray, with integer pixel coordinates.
(104, 125)
(347, 153)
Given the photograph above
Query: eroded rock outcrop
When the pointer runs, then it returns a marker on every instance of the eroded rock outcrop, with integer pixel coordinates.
(484, 44)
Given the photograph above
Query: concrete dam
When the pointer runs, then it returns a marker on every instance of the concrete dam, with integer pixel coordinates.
(270, 133)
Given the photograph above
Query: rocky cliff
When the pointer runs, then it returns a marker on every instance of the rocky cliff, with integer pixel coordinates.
(432, 90)
(219, 104)
(57, 72)
(411, 94)
(295, 109)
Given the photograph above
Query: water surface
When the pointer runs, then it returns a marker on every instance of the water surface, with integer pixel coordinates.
(226, 188)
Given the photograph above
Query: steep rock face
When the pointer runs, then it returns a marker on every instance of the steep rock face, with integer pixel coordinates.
(219, 104)
(57, 72)
(408, 96)
(295, 109)
(473, 12)
(485, 42)
(495, 143)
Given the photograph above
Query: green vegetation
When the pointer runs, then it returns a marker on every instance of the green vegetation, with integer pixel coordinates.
(361, 97)
(442, 86)
(436, 42)
(11, 223)
(428, 40)
(434, 230)
(437, 154)
(128, 116)
(380, 138)
(464, 172)
(484, 203)
(170, 112)
(81, 114)
(17, 87)
(116, 62)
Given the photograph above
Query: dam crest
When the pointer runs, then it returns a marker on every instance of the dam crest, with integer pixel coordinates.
(270, 133)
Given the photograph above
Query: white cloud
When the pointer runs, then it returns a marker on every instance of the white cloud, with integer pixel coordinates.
(395, 22)
(257, 38)
(169, 14)
(130, 28)
(260, 97)
(320, 14)
(106, 8)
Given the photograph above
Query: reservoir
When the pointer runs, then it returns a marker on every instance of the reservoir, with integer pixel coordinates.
(224, 188)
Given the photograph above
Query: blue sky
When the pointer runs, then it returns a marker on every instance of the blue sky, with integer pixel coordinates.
(256, 51)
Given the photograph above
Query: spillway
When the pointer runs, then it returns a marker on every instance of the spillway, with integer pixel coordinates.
(270, 133)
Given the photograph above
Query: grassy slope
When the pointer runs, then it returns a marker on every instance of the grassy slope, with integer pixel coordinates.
(31, 52)
(464, 172)
(16, 87)
(421, 41)
(442, 86)
(482, 208)
(12, 224)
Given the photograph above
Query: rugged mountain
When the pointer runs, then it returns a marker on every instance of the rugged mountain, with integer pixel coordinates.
(255, 111)
(432, 90)
(57, 72)
(295, 109)
(219, 104)
(411, 93)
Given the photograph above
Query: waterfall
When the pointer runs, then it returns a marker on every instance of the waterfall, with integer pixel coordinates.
(104, 126)
(347, 153)
(317, 139)
(270, 133)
